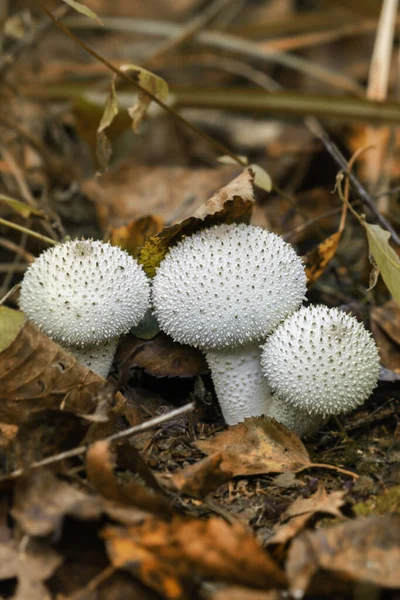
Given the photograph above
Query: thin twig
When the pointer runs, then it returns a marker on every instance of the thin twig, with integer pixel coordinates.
(231, 43)
(316, 128)
(187, 408)
(221, 148)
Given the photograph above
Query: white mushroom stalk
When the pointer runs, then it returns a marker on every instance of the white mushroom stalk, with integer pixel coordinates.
(319, 361)
(84, 294)
(223, 290)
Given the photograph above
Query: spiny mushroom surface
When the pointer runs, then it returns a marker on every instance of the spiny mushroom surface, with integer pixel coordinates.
(224, 287)
(84, 292)
(97, 358)
(322, 361)
(227, 285)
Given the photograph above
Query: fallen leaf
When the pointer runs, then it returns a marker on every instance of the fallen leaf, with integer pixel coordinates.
(36, 373)
(241, 593)
(164, 555)
(233, 203)
(161, 357)
(300, 512)
(42, 502)
(130, 191)
(318, 258)
(384, 257)
(256, 446)
(363, 551)
(132, 236)
(120, 474)
(30, 567)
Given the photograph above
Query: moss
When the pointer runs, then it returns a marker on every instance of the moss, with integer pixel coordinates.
(379, 505)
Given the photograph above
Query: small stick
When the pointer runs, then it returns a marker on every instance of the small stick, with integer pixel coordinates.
(39, 236)
(187, 408)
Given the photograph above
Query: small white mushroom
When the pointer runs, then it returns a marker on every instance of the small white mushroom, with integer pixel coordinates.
(223, 290)
(84, 294)
(319, 361)
(97, 358)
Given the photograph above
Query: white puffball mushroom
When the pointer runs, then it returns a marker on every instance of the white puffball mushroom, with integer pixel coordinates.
(295, 419)
(321, 361)
(226, 287)
(97, 358)
(84, 293)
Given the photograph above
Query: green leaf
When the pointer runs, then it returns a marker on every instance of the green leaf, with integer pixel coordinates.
(154, 84)
(11, 323)
(104, 149)
(20, 207)
(385, 258)
(261, 177)
(84, 10)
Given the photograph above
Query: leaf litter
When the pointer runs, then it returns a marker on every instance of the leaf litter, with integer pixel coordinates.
(88, 511)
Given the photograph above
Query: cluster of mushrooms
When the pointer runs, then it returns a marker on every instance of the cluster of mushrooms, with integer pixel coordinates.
(233, 291)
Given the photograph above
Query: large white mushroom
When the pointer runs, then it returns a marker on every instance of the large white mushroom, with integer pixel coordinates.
(84, 294)
(319, 362)
(223, 290)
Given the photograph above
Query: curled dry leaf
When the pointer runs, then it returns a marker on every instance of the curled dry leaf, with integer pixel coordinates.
(364, 551)
(36, 373)
(231, 204)
(165, 556)
(300, 512)
(131, 237)
(318, 258)
(256, 446)
(161, 357)
(120, 474)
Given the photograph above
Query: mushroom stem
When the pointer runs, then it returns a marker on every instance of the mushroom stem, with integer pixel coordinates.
(241, 388)
(97, 358)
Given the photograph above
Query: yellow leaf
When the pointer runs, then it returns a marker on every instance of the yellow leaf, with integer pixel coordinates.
(385, 258)
(84, 10)
(20, 207)
(104, 149)
(154, 84)
(261, 177)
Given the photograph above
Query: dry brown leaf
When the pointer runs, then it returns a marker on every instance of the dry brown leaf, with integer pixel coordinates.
(256, 446)
(31, 568)
(161, 357)
(36, 373)
(366, 551)
(131, 191)
(120, 474)
(131, 237)
(241, 593)
(319, 257)
(42, 501)
(303, 509)
(231, 204)
(165, 555)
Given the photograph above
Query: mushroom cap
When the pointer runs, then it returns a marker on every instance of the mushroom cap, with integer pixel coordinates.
(84, 292)
(321, 360)
(227, 285)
